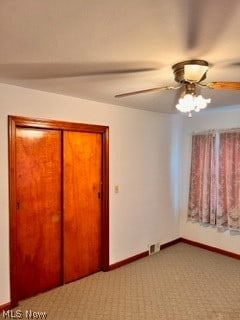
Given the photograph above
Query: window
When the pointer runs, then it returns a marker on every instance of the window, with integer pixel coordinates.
(214, 194)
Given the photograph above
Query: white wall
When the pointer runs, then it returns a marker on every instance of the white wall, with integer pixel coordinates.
(143, 162)
(225, 118)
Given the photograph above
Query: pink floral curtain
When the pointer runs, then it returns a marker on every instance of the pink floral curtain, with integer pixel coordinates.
(228, 214)
(202, 193)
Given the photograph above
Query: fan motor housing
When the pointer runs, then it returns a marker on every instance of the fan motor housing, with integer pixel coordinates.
(178, 69)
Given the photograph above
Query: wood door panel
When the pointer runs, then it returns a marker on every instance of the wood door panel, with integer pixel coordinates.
(38, 192)
(82, 204)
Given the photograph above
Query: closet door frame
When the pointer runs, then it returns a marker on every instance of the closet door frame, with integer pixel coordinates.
(17, 121)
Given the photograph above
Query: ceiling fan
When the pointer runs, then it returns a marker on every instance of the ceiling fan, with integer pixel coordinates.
(189, 75)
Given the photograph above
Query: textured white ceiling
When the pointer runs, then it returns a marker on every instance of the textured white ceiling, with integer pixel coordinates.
(94, 49)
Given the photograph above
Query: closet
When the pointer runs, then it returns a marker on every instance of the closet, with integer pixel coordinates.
(58, 203)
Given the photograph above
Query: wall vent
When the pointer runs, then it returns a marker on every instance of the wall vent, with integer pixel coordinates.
(154, 248)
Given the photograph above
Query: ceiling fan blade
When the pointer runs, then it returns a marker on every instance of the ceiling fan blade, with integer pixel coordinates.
(42, 71)
(144, 91)
(224, 85)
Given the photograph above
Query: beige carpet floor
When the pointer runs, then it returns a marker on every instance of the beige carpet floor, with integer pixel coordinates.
(181, 282)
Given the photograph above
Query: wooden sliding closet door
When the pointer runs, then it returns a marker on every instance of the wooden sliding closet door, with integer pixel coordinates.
(38, 211)
(59, 219)
(82, 176)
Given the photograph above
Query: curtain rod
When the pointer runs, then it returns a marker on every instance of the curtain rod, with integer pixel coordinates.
(216, 130)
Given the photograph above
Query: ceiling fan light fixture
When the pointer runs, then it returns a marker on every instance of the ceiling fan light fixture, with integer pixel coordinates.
(194, 72)
(190, 102)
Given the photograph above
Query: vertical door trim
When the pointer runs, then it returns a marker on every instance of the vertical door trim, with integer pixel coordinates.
(17, 121)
